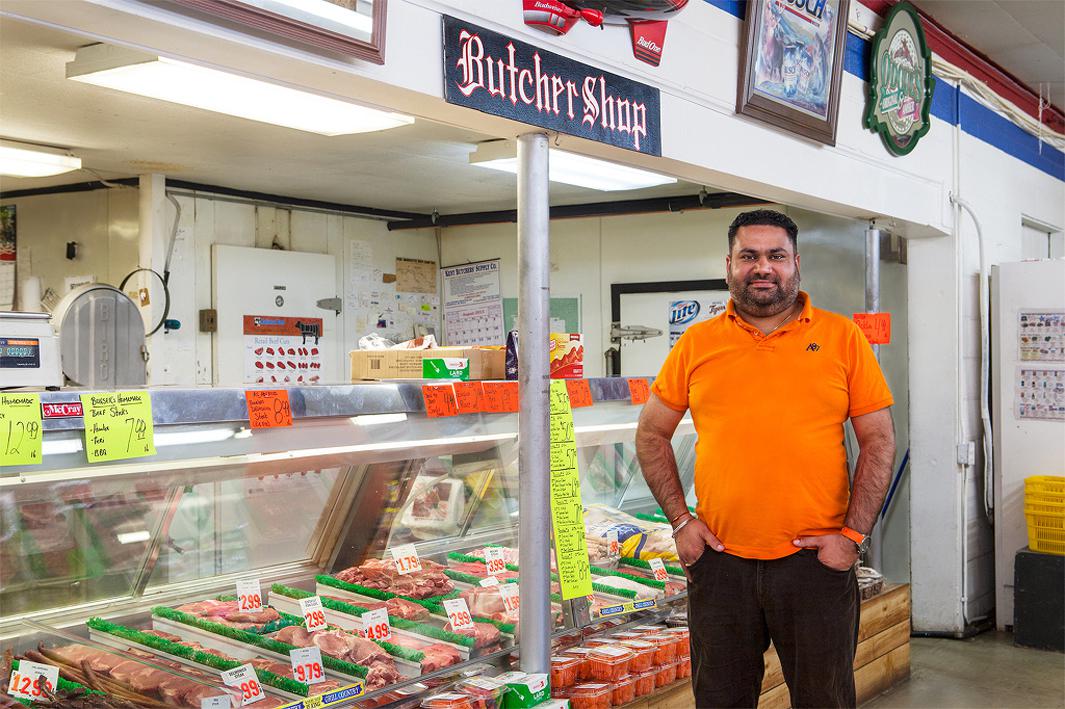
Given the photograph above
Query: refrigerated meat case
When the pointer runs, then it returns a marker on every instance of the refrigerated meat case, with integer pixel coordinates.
(138, 561)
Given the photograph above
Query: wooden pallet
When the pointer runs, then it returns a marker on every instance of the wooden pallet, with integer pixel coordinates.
(882, 658)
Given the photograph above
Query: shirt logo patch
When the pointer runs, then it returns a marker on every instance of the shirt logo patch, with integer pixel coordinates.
(813, 347)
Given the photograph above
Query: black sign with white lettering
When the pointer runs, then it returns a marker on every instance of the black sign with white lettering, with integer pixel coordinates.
(498, 75)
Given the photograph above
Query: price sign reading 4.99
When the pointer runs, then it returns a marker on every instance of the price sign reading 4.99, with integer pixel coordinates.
(495, 560)
(376, 625)
(458, 614)
(658, 568)
(313, 614)
(405, 557)
(245, 680)
(307, 664)
(509, 593)
(20, 429)
(268, 408)
(118, 425)
(33, 680)
(249, 596)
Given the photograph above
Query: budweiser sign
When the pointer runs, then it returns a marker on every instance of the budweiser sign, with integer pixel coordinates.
(495, 74)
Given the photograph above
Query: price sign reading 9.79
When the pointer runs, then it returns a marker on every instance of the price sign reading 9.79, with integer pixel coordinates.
(307, 664)
(118, 425)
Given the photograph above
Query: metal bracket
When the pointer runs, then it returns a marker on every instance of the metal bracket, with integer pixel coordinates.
(636, 333)
(334, 304)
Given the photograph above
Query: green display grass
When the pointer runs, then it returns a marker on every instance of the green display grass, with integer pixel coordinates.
(377, 594)
(348, 668)
(462, 577)
(413, 626)
(641, 564)
(63, 685)
(507, 628)
(199, 657)
(653, 583)
(415, 656)
(466, 558)
(264, 629)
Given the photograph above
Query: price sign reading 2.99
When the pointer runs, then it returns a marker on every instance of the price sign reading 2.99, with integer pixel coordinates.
(458, 614)
(313, 614)
(307, 665)
(118, 425)
(249, 596)
(245, 680)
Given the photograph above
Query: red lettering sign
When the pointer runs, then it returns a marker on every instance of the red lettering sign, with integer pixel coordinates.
(62, 411)
(639, 390)
(876, 326)
(580, 394)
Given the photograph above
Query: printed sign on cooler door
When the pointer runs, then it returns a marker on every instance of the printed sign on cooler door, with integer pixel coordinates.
(34, 681)
(307, 664)
(243, 678)
(376, 624)
(313, 614)
(458, 614)
(405, 557)
(249, 596)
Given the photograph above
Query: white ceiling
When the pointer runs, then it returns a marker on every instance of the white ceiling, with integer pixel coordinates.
(1024, 37)
(416, 168)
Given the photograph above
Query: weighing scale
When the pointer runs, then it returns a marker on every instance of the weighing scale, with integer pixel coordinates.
(29, 351)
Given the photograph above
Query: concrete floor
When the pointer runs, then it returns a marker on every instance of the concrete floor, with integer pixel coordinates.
(985, 671)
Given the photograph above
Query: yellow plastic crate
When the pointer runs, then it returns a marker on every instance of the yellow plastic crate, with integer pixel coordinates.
(1044, 509)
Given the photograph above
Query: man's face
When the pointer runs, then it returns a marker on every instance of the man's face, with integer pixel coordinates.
(763, 270)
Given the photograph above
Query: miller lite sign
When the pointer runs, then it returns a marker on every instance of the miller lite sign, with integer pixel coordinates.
(685, 313)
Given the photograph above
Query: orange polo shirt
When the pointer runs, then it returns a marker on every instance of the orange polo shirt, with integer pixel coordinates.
(769, 411)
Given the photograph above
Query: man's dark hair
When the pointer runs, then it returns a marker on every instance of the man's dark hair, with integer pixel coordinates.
(764, 217)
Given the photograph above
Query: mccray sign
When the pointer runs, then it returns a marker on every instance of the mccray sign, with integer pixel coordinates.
(498, 75)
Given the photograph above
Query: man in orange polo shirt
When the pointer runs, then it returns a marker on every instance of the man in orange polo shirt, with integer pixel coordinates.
(771, 550)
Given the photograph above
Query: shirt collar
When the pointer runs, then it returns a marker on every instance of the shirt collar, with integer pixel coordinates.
(806, 315)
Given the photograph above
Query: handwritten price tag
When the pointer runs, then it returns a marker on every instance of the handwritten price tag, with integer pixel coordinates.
(509, 593)
(313, 614)
(458, 614)
(405, 557)
(876, 326)
(249, 595)
(268, 408)
(307, 665)
(468, 396)
(243, 678)
(33, 680)
(376, 624)
(639, 391)
(613, 545)
(439, 400)
(580, 392)
(495, 560)
(118, 425)
(20, 429)
(658, 568)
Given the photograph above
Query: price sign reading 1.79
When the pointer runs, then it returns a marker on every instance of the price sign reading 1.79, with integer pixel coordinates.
(405, 557)
(118, 425)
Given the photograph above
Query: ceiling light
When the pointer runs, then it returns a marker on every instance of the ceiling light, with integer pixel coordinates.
(570, 168)
(25, 160)
(220, 91)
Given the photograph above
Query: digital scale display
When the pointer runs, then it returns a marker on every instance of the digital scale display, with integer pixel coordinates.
(21, 353)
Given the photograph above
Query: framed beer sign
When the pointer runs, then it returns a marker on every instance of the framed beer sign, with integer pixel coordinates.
(793, 63)
(900, 81)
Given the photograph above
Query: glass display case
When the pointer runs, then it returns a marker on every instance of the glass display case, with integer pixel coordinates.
(343, 540)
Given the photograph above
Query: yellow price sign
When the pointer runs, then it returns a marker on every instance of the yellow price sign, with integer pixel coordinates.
(118, 425)
(20, 429)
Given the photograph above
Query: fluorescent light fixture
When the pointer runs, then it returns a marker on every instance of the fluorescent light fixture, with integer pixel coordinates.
(132, 537)
(26, 160)
(570, 168)
(222, 92)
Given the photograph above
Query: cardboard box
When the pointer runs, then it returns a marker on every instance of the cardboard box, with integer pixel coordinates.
(485, 363)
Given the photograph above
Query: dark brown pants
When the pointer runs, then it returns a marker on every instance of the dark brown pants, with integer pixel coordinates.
(737, 606)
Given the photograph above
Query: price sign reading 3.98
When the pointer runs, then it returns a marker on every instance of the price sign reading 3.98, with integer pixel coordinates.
(376, 624)
(405, 557)
(307, 664)
(313, 614)
(34, 681)
(245, 680)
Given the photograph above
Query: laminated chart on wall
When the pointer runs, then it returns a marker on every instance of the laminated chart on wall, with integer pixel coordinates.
(473, 304)
(567, 512)
(282, 350)
(1041, 335)
(1039, 393)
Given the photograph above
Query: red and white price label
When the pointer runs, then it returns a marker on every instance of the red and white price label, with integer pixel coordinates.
(222, 701)
(313, 614)
(376, 624)
(489, 581)
(658, 568)
(613, 545)
(307, 665)
(458, 614)
(35, 681)
(244, 680)
(495, 560)
(509, 593)
(405, 557)
(249, 595)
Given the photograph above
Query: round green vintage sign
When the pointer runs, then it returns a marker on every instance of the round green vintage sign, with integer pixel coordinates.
(900, 81)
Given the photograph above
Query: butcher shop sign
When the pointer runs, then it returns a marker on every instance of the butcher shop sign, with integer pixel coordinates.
(900, 81)
(498, 75)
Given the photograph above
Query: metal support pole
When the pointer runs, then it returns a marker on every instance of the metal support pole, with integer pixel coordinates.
(534, 484)
(872, 305)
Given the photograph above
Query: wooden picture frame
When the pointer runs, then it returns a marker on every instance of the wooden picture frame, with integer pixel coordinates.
(792, 65)
(249, 15)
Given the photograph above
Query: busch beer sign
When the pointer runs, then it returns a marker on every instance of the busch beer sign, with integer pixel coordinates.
(900, 81)
(495, 74)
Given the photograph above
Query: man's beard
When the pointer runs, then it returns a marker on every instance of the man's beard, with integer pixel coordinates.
(764, 303)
